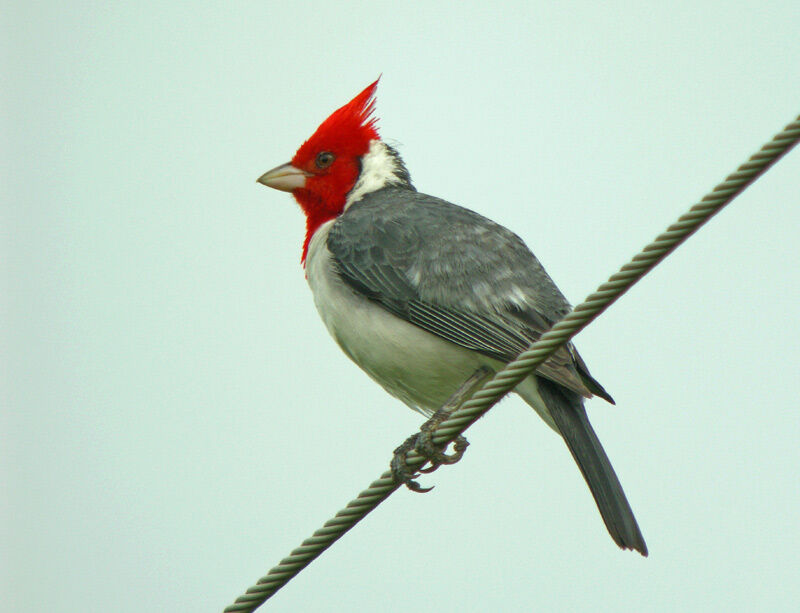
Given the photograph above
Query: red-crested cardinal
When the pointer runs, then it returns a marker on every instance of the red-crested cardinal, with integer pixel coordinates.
(422, 293)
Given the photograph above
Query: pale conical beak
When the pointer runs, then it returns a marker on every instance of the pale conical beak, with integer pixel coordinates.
(286, 178)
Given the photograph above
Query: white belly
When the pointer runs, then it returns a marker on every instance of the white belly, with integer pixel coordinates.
(413, 365)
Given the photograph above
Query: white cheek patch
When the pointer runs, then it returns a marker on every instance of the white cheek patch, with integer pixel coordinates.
(379, 168)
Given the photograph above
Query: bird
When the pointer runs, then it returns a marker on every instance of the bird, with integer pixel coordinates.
(422, 294)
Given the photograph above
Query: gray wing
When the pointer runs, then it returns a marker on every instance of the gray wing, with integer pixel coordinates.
(455, 274)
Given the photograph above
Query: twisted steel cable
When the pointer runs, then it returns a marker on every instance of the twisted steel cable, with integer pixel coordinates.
(514, 372)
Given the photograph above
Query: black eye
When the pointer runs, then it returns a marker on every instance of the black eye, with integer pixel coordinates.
(324, 159)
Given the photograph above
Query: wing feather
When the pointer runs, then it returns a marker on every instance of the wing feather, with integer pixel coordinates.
(455, 274)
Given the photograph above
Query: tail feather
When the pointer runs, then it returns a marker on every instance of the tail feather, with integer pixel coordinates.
(567, 411)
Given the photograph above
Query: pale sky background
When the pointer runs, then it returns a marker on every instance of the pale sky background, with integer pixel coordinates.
(175, 418)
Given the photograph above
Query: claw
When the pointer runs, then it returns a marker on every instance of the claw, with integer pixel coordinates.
(459, 447)
(422, 441)
(414, 486)
(399, 466)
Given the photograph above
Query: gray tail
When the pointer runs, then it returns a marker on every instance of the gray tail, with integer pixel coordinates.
(568, 412)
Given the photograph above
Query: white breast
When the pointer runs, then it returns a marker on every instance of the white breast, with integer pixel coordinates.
(417, 367)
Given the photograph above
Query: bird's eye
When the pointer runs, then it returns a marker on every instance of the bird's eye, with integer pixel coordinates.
(324, 159)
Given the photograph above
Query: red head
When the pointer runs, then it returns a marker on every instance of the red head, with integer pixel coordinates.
(326, 167)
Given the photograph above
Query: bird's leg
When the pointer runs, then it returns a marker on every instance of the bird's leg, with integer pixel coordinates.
(422, 441)
(424, 444)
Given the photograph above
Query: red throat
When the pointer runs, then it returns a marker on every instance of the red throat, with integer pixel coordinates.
(317, 213)
(346, 134)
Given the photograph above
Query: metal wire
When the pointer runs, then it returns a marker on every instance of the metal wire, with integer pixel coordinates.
(506, 379)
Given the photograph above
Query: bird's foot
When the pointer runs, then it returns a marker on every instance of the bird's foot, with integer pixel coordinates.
(437, 456)
(422, 441)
